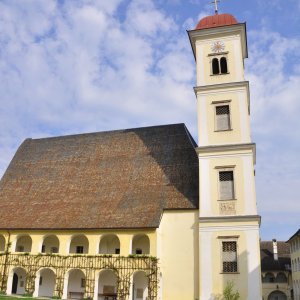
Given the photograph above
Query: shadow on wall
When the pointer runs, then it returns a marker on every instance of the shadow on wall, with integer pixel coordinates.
(244, 281)
(177, 169)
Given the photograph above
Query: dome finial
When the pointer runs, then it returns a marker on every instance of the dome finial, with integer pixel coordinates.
(216, 6)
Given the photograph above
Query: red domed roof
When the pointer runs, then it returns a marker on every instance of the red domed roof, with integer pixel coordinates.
(216, 21)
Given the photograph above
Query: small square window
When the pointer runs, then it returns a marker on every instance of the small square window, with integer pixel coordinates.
(54, 250)
(43, 249)
(138, 251)
(117, 251)
(79, 249)
(223, 118)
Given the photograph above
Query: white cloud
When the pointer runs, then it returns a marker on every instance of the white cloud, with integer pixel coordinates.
(78, 68)
(276, 126)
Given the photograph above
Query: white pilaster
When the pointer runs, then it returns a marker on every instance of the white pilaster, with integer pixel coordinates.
(254, 273)
(205, 203)
(249, 195)
(206, 266)
(202, 121)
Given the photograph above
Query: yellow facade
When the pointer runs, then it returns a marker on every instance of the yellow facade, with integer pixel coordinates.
(295, 261)
(174, 244)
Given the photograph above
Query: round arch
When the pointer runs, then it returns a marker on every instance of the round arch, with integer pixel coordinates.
(74, 284)
(269, 277)
(281, 277)
(23, 243)
(106, 285)
(109, 244)
(45, 283)
(16, 281)
(79, 244)
(140, 244)
(277, 295)
(50, 244)
(139, 288)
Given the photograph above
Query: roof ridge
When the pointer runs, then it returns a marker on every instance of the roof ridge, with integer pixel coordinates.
(106, 131)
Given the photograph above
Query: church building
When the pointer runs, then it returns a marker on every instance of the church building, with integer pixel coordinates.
(145, 213)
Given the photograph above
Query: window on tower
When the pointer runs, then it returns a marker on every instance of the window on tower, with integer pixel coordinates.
(223, 63)
(215, 66)
(226, 185)
(223, 117)
(219, 65)
(229, 257)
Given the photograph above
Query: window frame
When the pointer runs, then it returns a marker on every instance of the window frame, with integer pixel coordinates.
(226, 169)
(234, 239)
(218, 56)
(218, 104)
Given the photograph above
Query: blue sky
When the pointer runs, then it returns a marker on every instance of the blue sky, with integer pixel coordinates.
(81, 66)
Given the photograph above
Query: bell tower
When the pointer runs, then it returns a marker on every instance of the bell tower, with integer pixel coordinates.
(228, 221)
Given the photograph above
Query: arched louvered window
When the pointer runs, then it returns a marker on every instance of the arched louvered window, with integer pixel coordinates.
(215, 66)
(223, 63)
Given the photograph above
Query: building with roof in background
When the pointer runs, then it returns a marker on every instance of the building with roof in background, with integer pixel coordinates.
(294, 242)
(143, 213)
(276, 270)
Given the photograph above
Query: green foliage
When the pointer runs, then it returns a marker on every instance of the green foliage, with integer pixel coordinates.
(229, 293)
(2, 293)
(27, 295)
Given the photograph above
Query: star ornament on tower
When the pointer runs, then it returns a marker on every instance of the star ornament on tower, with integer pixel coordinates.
(218, 47)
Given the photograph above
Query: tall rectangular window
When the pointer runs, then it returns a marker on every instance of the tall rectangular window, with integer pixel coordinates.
(83, 282)
(229, 257)
(226, 184)
(223, 117)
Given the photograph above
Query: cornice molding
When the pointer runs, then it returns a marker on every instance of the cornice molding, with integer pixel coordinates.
(228, 219)
(211, 32)
(227, 148)
(222, 86)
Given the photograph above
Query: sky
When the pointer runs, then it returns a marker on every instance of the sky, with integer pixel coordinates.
(75, 66)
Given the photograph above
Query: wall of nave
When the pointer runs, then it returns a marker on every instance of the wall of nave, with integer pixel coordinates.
(123, 243)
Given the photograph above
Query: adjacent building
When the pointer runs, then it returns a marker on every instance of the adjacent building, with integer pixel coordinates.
(276, 270)
(294, 243)
(143, 213)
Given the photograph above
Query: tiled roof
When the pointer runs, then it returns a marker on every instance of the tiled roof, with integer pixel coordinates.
(267, 257)
(115, 179)
(294, 235)
(216, 21)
